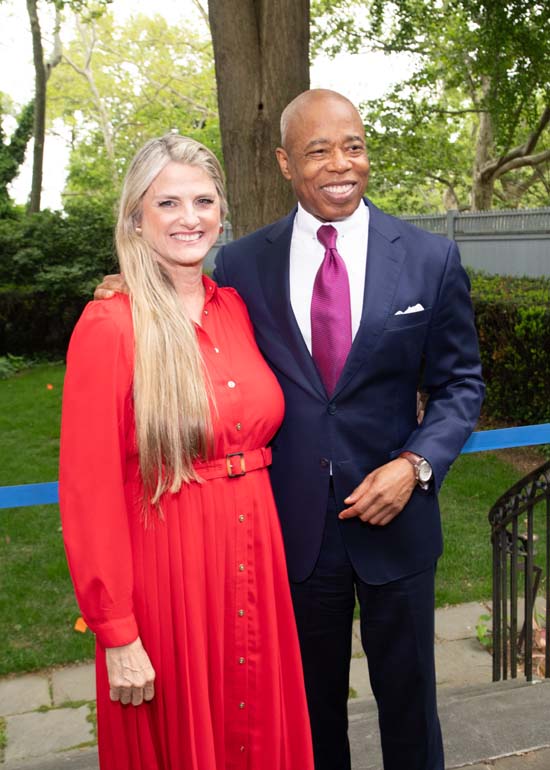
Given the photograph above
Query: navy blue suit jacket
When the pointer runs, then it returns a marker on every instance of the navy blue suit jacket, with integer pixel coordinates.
(371, 416)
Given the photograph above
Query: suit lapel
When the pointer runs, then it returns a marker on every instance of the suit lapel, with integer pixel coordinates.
(274, 263)
(385, 257)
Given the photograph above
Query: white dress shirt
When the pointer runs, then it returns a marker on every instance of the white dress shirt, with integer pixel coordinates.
(307, 253)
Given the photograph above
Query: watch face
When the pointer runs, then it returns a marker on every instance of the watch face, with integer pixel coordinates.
(424, 471)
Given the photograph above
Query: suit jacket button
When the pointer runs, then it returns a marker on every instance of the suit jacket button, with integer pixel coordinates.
(331, 409)
(324, 462)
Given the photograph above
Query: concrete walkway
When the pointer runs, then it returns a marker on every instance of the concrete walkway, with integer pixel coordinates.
(48, 718)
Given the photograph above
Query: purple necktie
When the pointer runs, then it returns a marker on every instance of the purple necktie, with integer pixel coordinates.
(330, 312)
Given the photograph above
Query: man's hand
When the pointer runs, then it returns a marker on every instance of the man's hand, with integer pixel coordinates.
(111, 285)
(383, 494)
(131, 675)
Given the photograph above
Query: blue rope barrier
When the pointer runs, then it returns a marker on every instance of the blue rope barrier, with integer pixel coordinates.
(504, 438)
(29, 494)
(481, 441)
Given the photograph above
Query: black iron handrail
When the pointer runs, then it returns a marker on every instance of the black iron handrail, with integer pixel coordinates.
(514, 555)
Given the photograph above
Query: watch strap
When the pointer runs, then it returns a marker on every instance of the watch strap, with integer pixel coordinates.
(416, 461)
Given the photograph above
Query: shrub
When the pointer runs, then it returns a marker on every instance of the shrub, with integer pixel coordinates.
(10, 365)
(513, 322)
(50, 263)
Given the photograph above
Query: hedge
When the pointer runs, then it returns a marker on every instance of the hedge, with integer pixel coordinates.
(513, 323)
(49, 265)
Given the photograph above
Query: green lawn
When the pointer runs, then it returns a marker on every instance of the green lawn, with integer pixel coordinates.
(37, 607)
(473, 484)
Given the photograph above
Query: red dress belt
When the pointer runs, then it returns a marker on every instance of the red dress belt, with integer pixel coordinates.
(235, 464)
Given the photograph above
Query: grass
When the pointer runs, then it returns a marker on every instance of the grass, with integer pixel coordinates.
(37, 606)
(473, 485)
(3, 741)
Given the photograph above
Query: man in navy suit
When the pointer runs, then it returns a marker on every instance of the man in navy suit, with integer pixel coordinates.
(355, 476)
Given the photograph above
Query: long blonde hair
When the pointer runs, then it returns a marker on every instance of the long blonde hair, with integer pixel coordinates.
(171, 394)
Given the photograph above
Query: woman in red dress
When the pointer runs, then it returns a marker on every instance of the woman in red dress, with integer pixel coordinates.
(169, 523)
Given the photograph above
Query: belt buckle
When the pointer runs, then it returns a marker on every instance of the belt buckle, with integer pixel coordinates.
(230, 471)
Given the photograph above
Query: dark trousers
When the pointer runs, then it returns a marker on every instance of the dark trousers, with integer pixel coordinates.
(397, 633)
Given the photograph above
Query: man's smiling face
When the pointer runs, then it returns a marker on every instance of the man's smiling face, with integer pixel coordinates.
(325, 157)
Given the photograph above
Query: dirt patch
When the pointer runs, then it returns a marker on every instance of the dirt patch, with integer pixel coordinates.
(524, 458)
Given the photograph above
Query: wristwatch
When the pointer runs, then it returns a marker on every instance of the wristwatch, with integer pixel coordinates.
(422, 468)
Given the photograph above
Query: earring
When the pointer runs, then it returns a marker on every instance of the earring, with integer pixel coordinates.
(221, 229)
(138, 229)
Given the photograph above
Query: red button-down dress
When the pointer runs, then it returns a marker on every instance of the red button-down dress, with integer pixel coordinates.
(205, 587)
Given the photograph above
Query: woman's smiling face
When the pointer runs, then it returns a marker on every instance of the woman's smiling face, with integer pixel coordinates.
(180, 215)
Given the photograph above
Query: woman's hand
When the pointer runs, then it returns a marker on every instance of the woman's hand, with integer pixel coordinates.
(131, 675)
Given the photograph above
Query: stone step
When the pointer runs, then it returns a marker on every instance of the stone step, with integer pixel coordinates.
(80, 759)
(480, 723)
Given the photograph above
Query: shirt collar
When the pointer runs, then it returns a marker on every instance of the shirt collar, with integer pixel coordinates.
(307, 225)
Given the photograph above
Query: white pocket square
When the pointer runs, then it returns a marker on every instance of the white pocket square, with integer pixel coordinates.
(411, 309)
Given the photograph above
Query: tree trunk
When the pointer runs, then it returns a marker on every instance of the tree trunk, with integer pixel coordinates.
(39, 131)
(105, 122)
(450, 200)
(42, 71)
(483, 183)
(261, 52)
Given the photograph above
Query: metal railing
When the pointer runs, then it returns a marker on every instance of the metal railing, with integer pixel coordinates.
(518, 550)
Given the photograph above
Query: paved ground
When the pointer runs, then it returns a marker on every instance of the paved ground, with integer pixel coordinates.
(49, 725)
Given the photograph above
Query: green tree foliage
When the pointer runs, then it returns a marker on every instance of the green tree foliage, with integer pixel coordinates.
(12, 153)
(121, 84)
(117, 86)
(471, 123)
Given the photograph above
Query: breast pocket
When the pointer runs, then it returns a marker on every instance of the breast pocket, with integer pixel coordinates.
(403, 321)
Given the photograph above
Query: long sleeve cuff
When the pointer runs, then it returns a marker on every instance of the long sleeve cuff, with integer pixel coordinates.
(115, 633)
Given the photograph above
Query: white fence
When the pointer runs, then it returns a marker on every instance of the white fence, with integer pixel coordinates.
(513, 242)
